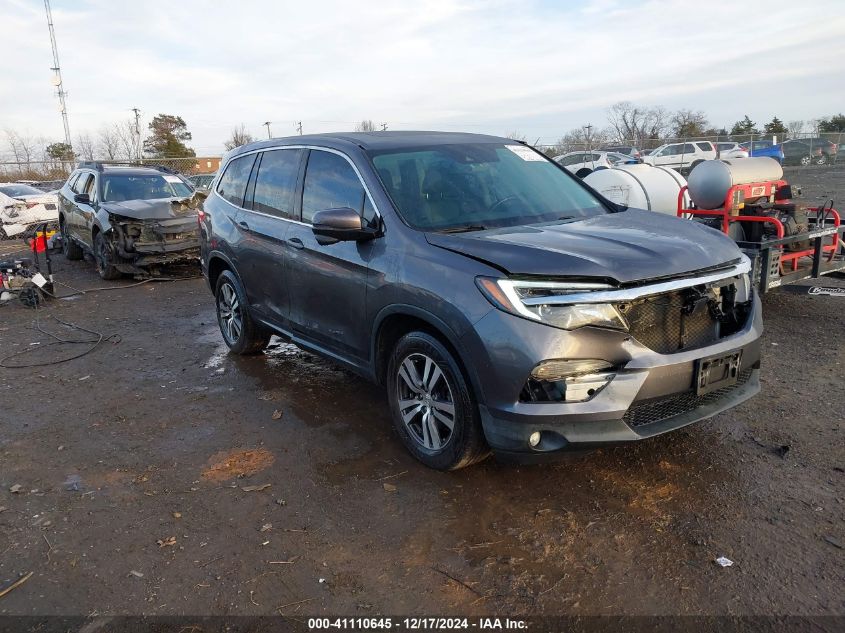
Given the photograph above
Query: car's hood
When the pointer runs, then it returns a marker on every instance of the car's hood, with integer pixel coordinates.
(162, 209)
(625, 247)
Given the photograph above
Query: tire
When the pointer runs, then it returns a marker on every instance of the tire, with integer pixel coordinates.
(805, 160)
(822, 160)
(583, 173)
(104, 258)
(241, 334)
(71, 250)
(427, 390)
(694, 165)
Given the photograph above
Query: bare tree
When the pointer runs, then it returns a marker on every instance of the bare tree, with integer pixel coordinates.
(108, 142)
(688, 123)
(795, 128)
(366, 125)
(633, 123)
(582, 139)
(128, 140)
(85, 146)
(239, 137)
(23, 148)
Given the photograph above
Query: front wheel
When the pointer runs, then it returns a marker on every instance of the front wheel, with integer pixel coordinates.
(806, 160)
(104, 258)
(432, 405)
(241, 333)
(822, 160)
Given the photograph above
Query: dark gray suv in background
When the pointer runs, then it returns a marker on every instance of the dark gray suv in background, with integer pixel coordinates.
(502, 302)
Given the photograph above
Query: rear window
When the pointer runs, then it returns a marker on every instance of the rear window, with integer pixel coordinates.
(20, 190)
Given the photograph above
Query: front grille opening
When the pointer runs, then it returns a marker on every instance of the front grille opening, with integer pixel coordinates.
(573, 389)
(640, 415)
(685, 319)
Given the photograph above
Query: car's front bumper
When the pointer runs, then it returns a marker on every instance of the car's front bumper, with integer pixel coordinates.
(652, 393)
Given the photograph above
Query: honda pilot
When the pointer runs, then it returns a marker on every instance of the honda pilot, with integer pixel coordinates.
(503, 303)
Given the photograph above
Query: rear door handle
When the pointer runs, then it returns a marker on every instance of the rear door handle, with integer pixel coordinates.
(296, 243)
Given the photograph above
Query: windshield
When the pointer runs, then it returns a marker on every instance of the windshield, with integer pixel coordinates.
(480, 185)
(117, 188)
(20, 190)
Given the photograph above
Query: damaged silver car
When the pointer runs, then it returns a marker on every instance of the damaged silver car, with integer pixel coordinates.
(131, 219)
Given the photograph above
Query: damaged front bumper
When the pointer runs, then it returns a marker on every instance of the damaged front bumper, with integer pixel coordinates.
(140, 244)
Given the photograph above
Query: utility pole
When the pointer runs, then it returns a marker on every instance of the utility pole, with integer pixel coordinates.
(589, 128)
(137, 134)
(57, 79)
(299, 127)
(267, 124)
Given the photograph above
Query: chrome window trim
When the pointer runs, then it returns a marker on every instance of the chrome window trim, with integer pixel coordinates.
(284, 147)
(632, 294)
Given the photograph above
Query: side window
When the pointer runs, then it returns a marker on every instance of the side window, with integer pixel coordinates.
(90, 189)
(670, 150)
(232, 185)
(689, 148)
(705, 147)
(275, 185)
(330, 183)
(571, 160)
(595, 157)
(83, 183)
(71, 182)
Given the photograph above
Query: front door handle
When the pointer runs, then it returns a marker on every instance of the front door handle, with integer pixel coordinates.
(296, 243)
(243, 224)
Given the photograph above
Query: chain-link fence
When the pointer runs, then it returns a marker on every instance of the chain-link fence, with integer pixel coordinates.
(807, 148)
(50, 172)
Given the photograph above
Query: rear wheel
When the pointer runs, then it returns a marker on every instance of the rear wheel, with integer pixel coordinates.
(583, 173)
(104, 258)
(806, 160)
(70, 249)
(432, 405)
(822, 160)
(241, 333)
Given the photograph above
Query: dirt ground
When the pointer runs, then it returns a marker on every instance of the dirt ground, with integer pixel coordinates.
(159, 475)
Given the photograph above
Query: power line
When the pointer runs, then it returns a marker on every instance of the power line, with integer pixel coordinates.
(57, 79)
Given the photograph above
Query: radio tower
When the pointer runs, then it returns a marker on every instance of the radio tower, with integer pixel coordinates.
(57, 79)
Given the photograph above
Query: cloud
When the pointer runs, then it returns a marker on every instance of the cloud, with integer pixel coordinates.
(536, 66)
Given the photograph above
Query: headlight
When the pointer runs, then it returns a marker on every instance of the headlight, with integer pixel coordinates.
(528, 299)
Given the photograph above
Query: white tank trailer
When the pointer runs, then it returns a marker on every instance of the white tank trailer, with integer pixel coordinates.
(640, 187)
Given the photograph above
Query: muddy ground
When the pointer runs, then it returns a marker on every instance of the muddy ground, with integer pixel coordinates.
(159, 475)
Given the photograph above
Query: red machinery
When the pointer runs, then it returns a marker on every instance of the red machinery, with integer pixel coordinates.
(782, 253)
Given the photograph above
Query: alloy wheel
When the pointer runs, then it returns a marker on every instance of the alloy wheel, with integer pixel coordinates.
(229, 312)
(425, 401)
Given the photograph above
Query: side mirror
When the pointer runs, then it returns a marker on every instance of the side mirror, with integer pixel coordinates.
(340, 225)
(82, 198)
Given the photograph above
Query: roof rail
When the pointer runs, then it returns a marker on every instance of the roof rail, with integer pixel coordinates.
(98, 165)
(90, 164)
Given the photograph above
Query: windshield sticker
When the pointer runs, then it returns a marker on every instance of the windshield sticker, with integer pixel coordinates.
(173, 179)
(525, 153)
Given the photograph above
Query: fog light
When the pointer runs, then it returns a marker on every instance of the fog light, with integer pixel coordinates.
(553, 370)
(534, 439)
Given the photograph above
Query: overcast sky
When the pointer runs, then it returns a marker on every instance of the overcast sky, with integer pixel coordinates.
(537, 67)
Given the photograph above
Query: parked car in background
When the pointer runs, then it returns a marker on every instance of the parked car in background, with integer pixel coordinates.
(731, 150)
(628, 150)
(828, 148)
(23, 208)
(129, 218)
(799, 152)
(583, 163)
(502, 304)
(681, 156)
(201, 181)
(757, 149)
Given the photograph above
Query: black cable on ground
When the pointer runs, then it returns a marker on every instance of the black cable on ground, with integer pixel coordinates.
(92, 343)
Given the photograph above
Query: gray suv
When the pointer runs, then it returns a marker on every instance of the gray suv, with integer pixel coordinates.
(503, 303)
